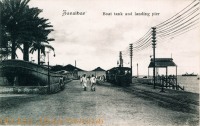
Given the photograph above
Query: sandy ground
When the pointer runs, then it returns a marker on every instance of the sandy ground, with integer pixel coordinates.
(108, 105)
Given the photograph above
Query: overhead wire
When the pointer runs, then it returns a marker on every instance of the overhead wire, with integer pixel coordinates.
(166, 22)
(144, 37)
(191, 24)
(141, 44)
(144, 43)
(164, 38)
(182, 22)
(144, 47)
(176, 22)
(189, 21)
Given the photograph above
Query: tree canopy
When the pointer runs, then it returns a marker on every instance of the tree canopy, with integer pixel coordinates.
(21, 25)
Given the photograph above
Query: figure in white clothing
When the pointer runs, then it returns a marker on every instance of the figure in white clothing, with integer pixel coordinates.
(84, 82)
(93, 82)
(61, 83)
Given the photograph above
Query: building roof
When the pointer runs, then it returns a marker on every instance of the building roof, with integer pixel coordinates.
(122, 68)
(68, 67)
(98, 69)
(162, 62)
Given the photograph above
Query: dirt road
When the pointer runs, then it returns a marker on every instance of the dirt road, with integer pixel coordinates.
(108, 105)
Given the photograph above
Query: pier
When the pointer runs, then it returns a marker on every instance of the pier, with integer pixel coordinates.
(164, 81)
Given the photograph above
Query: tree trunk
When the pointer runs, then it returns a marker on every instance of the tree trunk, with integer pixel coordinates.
(26, 51)
(39, 56)
(13, 53)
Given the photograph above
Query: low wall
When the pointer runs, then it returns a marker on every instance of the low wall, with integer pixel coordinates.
(32, 89)
(6, 88)
(23, 90)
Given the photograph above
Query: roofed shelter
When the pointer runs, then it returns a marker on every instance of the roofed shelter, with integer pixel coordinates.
(163, 63)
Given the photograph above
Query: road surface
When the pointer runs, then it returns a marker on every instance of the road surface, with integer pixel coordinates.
(108, 105)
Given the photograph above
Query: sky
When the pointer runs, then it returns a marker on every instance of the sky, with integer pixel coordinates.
(94, 40)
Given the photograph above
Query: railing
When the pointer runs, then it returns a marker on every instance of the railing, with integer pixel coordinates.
(168, 82)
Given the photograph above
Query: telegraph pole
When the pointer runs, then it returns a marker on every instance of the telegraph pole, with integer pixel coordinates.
(131, 57)
(154, 46)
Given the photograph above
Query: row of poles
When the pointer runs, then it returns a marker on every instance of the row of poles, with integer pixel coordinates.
(153, 46)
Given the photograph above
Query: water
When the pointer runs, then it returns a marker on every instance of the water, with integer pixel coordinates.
(190, 83)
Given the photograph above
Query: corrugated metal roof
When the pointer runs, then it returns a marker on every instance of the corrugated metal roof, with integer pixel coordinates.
(162, 62)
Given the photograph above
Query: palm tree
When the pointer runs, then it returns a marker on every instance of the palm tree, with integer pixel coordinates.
(41, 40)
(40, 47)
(23, 25)
(36, 30)
(29, 28)
(11, 19)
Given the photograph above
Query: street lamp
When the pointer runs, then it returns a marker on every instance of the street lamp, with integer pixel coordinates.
(49, 89)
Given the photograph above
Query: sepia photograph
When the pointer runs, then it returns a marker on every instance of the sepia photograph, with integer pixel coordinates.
(99, 62)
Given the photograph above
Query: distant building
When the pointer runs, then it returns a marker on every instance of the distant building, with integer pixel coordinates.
(69, 70)
(75, 73)
(99, 72)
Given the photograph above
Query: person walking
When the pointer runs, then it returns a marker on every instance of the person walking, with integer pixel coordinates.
(93, 82)
(88, 80)
(84, 82)
(61, 83)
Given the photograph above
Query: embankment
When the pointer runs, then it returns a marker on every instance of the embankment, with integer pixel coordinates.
(176, 100)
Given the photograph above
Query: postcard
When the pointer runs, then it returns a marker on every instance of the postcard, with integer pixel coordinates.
(99, 62)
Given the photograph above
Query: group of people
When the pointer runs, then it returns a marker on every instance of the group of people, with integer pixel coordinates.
(88, 80)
